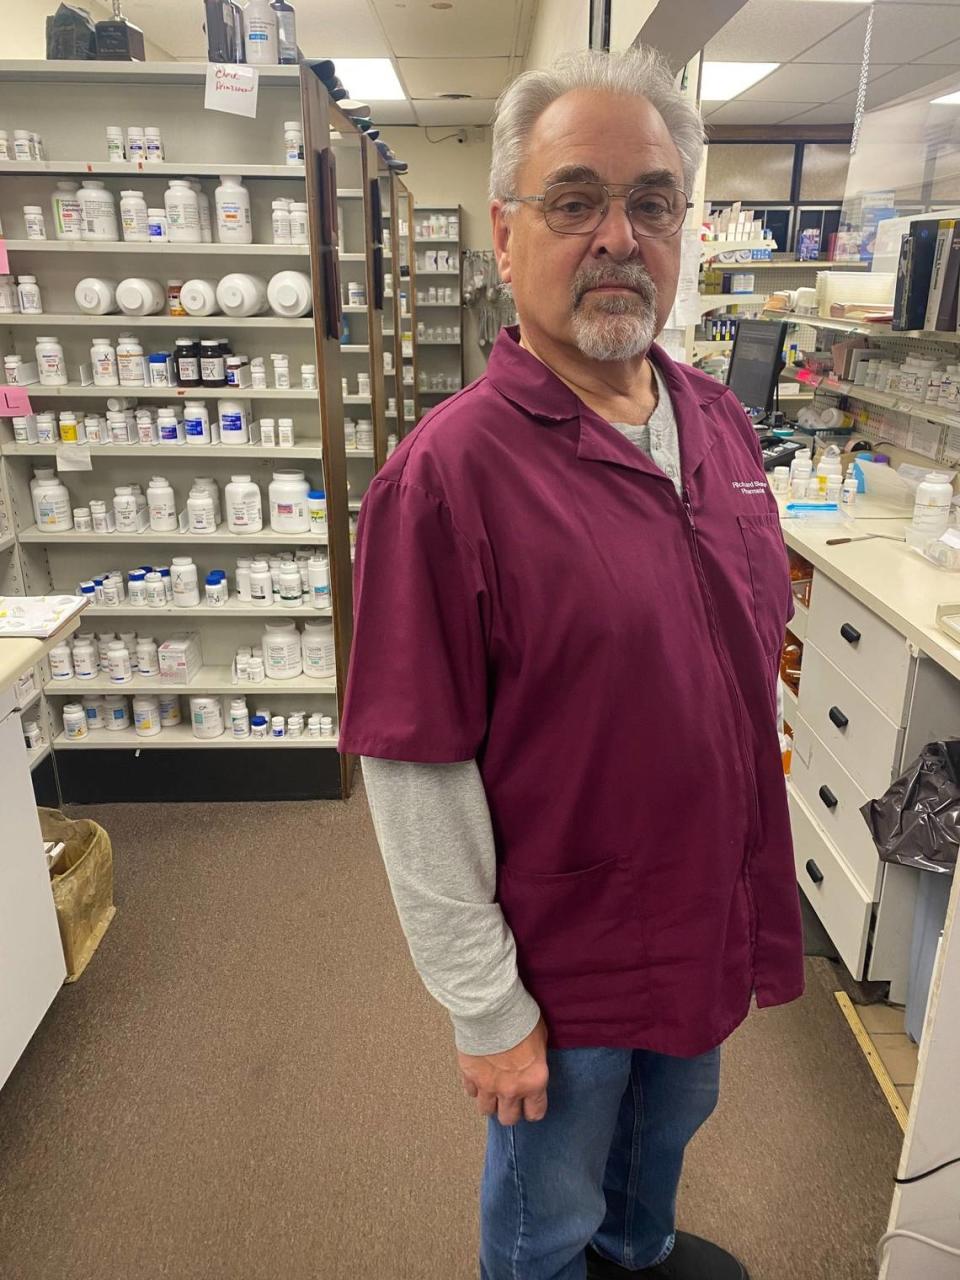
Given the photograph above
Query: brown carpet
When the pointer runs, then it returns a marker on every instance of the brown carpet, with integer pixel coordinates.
(249, 1083)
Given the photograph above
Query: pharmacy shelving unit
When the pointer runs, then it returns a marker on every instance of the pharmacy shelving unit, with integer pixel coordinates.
(397, 312)
(927, 430)
(407, 381)
(201, 144)
(31, 703)
(438, 332)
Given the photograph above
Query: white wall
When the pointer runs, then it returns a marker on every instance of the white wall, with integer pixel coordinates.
(24, 28)
(449, 173)
(561, 26)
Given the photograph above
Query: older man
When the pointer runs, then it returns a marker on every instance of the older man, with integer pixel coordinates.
(571, 595)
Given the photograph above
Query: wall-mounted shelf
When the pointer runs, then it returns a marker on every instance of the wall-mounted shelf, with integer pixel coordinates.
(223, 537)
(147, 168)
(34, 71)
(879, 330)
(161, 247)
(207, 680)
(37, 391)
(720, 301)
(181, 736)
(254, 452)
(233, 608)
(37, 754)
(45, 321)
(882, 399)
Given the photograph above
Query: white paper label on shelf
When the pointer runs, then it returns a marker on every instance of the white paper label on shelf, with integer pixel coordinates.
(232, 88)
(74, 457)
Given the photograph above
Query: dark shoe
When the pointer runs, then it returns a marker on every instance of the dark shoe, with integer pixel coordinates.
(690, 1259)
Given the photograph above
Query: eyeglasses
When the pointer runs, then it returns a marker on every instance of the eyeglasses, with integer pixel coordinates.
(578, 208)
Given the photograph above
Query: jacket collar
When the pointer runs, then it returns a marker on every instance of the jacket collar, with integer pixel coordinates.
(533, 387)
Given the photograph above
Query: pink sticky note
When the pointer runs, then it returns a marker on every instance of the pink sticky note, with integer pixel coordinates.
(4, 259)
(14, 402)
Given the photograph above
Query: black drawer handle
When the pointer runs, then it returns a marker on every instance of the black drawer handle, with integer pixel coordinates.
(838, 718)
(850, 633)
(814, 872)
(828, 798)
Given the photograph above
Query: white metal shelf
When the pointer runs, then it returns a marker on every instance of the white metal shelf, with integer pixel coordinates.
(354, 308)
(232, 609)
(162, 247)
(423, 271)
(705, 347)
(879, 330)
(41, 71)
(349, 193)
(45, 321)
(252, 451)
(447, 342)
(37, 391)
(355, 348)
(434, 304)
(720, 301)
(710, 249)
(207, 680)
(149, 168)
(359, 453)
(180, 736)
(33, 698)
(352, 257)
(7, 540)
(881, 399)
(36, 754)
(436, 240)
(222, 537)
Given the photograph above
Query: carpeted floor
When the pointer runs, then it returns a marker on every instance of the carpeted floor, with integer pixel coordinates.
(249, 1083)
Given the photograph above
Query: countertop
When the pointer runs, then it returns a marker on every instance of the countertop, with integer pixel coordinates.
(20, 653)
(892, 580)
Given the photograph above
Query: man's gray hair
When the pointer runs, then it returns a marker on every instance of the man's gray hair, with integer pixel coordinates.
(635, 73)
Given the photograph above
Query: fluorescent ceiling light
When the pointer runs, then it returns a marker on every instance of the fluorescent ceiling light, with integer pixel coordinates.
(370, 79)
(949, 99)
(724, 80)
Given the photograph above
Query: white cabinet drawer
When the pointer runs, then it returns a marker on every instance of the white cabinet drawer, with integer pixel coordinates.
(866, 649)
(835, 799)
(835, 894)
(866, 743)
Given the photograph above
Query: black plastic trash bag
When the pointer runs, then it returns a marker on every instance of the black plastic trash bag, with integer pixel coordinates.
(916, 823)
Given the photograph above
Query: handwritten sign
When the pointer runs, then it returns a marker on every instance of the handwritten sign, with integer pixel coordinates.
(4, 259)
(232, 87)
(14, 402)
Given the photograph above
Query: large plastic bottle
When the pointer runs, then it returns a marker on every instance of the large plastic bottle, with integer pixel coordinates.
(931, 511)
(234, 223)
(260, 38)
(183, 212)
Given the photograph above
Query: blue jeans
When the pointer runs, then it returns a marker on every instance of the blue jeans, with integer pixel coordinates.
(602, 1168)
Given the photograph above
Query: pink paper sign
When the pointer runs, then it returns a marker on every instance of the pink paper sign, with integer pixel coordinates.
(4, 259)
(14, 402)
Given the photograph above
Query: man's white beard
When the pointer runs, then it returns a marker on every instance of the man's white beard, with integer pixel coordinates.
(613, 328)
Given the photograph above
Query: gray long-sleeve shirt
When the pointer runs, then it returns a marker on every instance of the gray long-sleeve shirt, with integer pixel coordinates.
(435, 833)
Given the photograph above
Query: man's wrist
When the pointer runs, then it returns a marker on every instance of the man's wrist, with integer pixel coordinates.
(501, 1028)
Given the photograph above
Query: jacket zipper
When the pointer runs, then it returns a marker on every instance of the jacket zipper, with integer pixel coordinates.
(748, 764)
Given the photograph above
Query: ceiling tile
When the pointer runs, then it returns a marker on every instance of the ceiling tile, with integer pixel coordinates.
(946, 53)
(804, 82)
(468, 30)
(741, 112)
(839, 112)
(480, 77)
(776, 30)
(901, 33)
(910, 79)
(472, 111)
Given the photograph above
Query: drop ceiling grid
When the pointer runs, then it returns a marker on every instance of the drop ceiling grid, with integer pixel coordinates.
(820, 47)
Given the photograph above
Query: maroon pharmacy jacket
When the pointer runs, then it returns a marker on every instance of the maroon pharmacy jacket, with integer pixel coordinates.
(532, 592)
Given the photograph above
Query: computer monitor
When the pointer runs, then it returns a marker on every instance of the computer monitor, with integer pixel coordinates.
(756, 362)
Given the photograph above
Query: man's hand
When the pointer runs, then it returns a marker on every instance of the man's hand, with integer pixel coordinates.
(510, 1085)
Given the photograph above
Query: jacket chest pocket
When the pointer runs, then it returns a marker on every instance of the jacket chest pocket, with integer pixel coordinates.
(769, 577)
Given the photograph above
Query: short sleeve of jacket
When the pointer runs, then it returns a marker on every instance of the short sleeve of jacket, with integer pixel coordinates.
(417, 684)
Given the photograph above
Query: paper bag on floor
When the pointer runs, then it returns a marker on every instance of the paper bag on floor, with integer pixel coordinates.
(82, 884)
